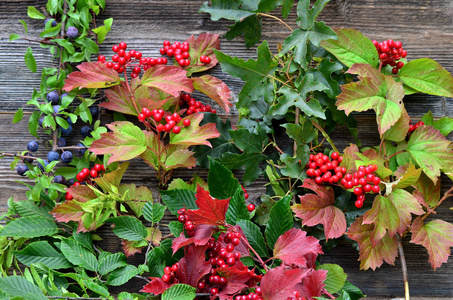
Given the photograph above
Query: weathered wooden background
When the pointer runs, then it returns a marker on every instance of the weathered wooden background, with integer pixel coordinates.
(424, 27)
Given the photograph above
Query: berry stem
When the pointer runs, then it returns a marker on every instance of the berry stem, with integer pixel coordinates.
(130, 90)
(380, 65)
(395, 154)
(55, 139)
(275, 18)
(328, 139)
(403, 267)
(447, 195)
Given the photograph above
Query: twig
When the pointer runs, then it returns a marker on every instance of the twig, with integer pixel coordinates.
(254, 252)
(447, 195)
(403, 267)
(144, 278)
(328, 139)
(275, 18)
(17, 155)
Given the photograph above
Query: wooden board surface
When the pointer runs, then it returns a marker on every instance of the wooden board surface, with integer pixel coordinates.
(424, 27)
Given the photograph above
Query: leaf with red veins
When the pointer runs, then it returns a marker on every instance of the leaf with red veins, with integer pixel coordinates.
(119, 100)
(320, 209)
(154, 146)
(215, 89)
(192, 267)
(372, 256)
(202, 235)
(398, 132)
(130, 247)
(349, 158)
(238, 278)
(125, 142)
(92, 75)
(436, 236)
(178, 156)
(194, 134)
(203, 45)
(210, 211)
(280, 283)
(428, 190)
(169, 79)
(294, 247)
(405, 204)
(157, 286)
(313, 284)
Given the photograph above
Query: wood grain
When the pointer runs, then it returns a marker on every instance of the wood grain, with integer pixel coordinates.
(424, 27)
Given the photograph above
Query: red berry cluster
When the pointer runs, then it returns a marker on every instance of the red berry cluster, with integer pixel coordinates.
(363, 181)
(179, 51)
(86, 175)
(169, 273)
(157, 115)
(250, 296)
(189, 226)
(389, 52)
(250, 206)
(193, 105)
(325, 169)
(413, 127)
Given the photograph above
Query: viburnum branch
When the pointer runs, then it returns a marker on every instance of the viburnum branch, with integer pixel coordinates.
(16, 155)
(328, 139)
(276, 146)
(74, 298)
(447, 195)
(254, 252)
(55, 139)
(72, 148)
(403, 267)
(395, 154)
(275, 18)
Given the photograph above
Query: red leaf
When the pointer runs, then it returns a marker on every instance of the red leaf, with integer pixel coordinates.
(203, 45)
(349, 158)
(153, 143)
(386, 249)
(92, 75)
(169, 79)
(210, 211)
(279, 283)
(194, 134)
(293, 247)
(192, 267)
(157, 286)
(242, 248)
(129, 247)
(202, 235)
(239, 277)
(313, 284)
(119, 100)
(215, 89)
(320, 209)
(436, 236)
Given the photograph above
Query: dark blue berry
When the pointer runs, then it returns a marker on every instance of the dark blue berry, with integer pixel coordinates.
(86, 131)
(53, 156)
(56, 108)
(46, 162)
(32, 146)
(28, 160)
(54, 23)
(69, 120)
(80, 152)
(66, 131)
(53, 97)
(66, 157)
(63, 95)
(40, 121)
(94, 110)
(72, 32)
(59, 179)
(70, 181)
(61, 142)
(21, 169)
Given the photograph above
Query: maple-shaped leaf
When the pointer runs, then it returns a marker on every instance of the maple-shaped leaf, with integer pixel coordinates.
(312, 284)
(349, 158)
(405, 204)
(177, 156)
(238, 277)
(119, 100)
(203, 45)
(407, 175)
(431, 151)
(131, 248)
(169, 79)
(320, 209)
(202, 235)
(135, 197)
(436, 236)
(92, 75)
(210, 211)
(294, 247)
(369, 157)
(156, 286)
(427, 190)
(372, 256)
(106, 181)
(255, 73)
(398, 131)
(279, 283)
(193, 266)
(125, 142)
(215, 89)
(195, 134)
(374, 91)
(154, 147)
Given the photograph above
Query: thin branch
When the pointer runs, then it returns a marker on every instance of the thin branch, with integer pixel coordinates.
(275, 18)
(447, 195)
(17, 155)
(296, 121)
(403, 267)
(328, 139)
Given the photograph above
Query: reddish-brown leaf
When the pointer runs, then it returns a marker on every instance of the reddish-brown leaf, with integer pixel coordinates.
(194, 134)
(130, 247)
(210, 211)
(92, 75)
(319, 209)
(386, 249)
(178, 156)
(436, 236)
(280, 283)
(349, 158)
(169, 79)
(405, 204)
(313, 284)
(119, 100)
(429, 191)
(239, 277)
(294, 247)
(202, 235)
(215, 89)
(157, 286)
(203, 45)
(192, 267)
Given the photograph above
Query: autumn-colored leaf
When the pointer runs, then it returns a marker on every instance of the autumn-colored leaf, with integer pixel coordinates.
(125, 142)
(242, 247)
(320, 209)
(156, 286)
(436, 236)
(398, 131)
(106, 181)
(169, 79)
(178, 156)
(294, 247)
(406, 204)
(427, 190)
(119, 100)
(192, 267)
(154, 146)
(279, 283)
(131, 248)
(372, 256)
(370, 156)
(202, 235)
(203, 45)
(194, 134)
(215, 89)
(349, 158)
(210, 211)
(238, 278)
(407, 175)
(313, 284)
(92, 75)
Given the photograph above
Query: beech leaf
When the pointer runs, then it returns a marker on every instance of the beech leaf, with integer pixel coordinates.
(210, 211)
(215, 89)
(92, 75)
(320, 209)
(169, 79)
(203, 45)
(436, 236)
(285, 279)
(195, 134)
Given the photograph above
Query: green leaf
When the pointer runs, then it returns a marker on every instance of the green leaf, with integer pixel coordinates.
(79, 255)
(237, 208)
(250, 161)
(249, 27)
(254, 237)
(128, 228)
(122, 275)
(90, 45)
(21, 287)
(28, 208)
(179, 291)
(25, 26)
(65, 44)
(30, 61)
(352, 47)
(18, 115)
(230, 10)
(42, 252)
(427, 76)
(249, 142)
(280, 220)
(444, 125)
(176, 228)
(84, 238)
(153, 212)
(222, 183)
(33, 13)
(30, 227)
(353, 292)
(336, 277)
(177, 199)
(256, 74)
(13, 37)
(290, 98)
(33, 123)
(97, 288)
(109, 262)
(51, 31)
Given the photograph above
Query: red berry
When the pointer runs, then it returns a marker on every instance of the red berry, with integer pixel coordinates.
(167, 270)
(376, 180)
(359, 204)
(167, 43)
(115, 48)
(93, 173)
(318, 180)
(68, 196)
(162, 51)
(166, 278)
(357, 190)
(141, 117)
(376, 189)
(213, 291)
(251, 207)
(334, 155)
(186, 122)
(98, 167)
(395, 70)
(101, 58)
(176, 129)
